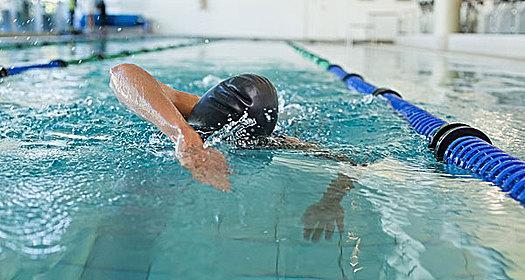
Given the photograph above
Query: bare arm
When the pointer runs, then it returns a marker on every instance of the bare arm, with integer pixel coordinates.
(144, 95)
(295, 144)
(182, 100)
(327, 213)
(147, 97)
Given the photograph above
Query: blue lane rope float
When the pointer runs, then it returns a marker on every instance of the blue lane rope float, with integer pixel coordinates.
(59, 63)
(456, 144)
(4, 72)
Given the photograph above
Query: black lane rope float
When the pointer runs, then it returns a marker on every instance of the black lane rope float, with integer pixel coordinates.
(456, 144)
(60, 63)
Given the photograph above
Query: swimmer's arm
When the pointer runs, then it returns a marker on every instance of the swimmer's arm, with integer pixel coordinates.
(338, 188)
(139, 91)
(143, 94)
(292, 143)
(182, 100)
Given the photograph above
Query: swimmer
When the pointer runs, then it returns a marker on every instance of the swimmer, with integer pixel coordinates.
(189, 120)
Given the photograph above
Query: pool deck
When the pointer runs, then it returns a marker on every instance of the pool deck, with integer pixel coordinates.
(496, 45)
(508, 46)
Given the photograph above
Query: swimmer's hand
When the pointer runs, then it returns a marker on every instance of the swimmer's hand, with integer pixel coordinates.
(322, 216)
(328, 212)
(207, 165)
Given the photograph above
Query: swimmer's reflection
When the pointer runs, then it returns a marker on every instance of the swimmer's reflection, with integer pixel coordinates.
(328, 213)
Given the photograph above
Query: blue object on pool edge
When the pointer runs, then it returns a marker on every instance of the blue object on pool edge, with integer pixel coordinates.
(466, 147)
(116, 20)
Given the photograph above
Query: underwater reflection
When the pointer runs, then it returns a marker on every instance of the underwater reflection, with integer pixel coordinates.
(324, 215)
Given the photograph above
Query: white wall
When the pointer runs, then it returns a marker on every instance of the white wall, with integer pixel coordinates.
(245, 18)
(295, 19)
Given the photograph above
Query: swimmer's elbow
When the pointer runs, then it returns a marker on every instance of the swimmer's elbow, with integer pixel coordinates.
(119, 76)
(123, 68)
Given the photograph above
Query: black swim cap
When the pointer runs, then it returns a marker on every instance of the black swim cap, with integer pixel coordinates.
(232, 98)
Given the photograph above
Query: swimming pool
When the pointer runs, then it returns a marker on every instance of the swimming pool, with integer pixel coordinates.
(90, 191)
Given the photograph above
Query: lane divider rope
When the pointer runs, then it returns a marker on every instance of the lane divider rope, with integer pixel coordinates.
(73, 40)
(456, 144)
(60, 63)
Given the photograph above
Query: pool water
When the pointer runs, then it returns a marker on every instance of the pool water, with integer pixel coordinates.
(90, 191)
(67, 51)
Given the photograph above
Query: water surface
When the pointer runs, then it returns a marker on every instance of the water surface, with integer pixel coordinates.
(90, 191)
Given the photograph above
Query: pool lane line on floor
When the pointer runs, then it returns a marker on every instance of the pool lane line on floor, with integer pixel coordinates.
(452, 143)
(60, 63)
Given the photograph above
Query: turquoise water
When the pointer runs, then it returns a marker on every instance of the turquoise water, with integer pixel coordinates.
(90, 191)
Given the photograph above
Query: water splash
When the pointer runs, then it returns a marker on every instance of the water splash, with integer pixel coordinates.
(207, 81)
(233, 133)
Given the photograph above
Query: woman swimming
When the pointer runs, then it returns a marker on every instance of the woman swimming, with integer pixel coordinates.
(189, 120)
